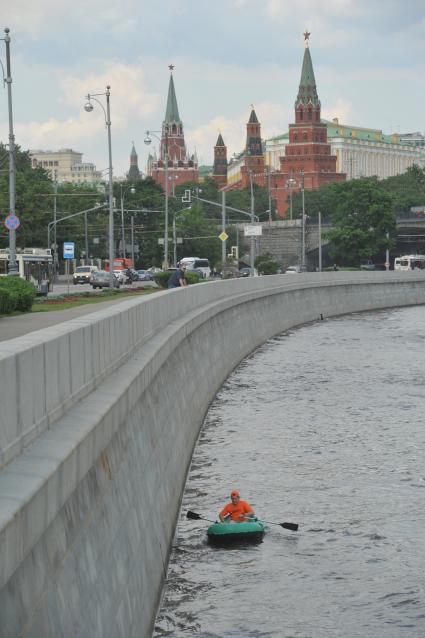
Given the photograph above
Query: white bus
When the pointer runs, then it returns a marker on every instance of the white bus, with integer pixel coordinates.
(196, 263)
(34, 264)
(409, 262)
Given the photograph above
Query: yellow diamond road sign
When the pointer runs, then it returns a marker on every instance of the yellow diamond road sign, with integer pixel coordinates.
(223, 236)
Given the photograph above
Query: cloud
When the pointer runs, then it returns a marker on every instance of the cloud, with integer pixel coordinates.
(130, 101)
(342, 109)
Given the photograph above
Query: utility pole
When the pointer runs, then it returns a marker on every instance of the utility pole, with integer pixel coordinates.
(223, 227)
(55, 212)
(269, 193)
(252, 250)
(320, 241)
(13, 267)
(132, 239)
(303, 264)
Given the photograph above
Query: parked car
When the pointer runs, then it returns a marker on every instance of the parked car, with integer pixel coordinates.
(83, 274)
(100, 279)
(154, 269)
(145, 275)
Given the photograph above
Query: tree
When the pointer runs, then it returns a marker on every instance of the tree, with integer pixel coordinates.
(362, 218)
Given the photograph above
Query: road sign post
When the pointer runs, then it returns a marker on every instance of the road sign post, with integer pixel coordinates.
(68, 253)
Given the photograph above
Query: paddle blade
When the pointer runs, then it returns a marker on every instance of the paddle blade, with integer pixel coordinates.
(292, 526)
(193, 515)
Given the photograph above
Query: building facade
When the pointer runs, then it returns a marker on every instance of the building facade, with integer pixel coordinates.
(181, 167)
(308, 161)
(66, 165)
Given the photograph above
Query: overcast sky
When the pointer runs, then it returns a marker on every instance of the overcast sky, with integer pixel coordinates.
(368, 58)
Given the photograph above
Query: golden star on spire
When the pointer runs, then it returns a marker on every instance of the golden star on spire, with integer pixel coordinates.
(171, 67)
(306, 35)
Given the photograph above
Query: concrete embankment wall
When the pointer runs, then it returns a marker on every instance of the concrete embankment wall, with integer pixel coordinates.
(99, 417)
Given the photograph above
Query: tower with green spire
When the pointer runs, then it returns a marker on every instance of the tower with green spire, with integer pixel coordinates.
(253, 165)
(307, 158)
(182, 167)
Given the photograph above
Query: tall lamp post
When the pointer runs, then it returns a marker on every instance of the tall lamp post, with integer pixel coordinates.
(148, 141)
(89, 107)
(13, 266)
(132, 191)
(290, 183)
(303, 264)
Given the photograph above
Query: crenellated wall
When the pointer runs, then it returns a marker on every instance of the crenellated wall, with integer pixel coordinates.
(99, 417)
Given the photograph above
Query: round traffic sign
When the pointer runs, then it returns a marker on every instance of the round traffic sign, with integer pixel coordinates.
(12, 222)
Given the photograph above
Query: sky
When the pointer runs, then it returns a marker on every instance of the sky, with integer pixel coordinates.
(368, 58)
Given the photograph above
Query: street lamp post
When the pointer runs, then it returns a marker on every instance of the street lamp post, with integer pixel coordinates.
(132, 191)
(289, 184)
(147, 141)
(303, 264)
(252, 246)
(89, 107)
(13, 266)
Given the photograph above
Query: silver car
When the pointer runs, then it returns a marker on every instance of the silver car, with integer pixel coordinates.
(101, 279)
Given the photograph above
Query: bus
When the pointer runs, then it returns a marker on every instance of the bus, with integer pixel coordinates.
(34, 265)
(409, 262)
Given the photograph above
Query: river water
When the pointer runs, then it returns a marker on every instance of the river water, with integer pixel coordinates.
(322, 426)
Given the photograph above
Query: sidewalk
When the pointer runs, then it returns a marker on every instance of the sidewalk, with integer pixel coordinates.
(11, 327)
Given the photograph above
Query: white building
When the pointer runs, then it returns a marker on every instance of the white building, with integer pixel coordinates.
(362, 152)
(65, 165)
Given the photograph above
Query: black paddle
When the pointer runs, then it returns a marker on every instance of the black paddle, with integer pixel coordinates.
(197, 517)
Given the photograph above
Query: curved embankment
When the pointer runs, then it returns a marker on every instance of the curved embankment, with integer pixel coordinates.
(98, 421)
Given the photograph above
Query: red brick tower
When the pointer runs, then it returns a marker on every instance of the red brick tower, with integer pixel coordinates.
(254, 157)
(181, 167)
(308, 149)
(220, 163)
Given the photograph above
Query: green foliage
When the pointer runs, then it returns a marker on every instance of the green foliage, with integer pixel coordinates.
(16, 294)
(266, 264)
(362, 216)
(407, 189)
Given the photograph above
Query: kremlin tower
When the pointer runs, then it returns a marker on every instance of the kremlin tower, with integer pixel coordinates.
(181, 167)
(134, 173)
(220, 163)
(308, 154)
(254, 157)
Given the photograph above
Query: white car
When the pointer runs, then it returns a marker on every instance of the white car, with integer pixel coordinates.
(121, 276)
(292, 270)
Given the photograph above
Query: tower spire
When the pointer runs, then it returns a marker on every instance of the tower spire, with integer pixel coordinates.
(307, 92)
(172, 111)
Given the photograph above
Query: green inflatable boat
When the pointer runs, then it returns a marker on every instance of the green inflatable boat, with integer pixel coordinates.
(235, 533)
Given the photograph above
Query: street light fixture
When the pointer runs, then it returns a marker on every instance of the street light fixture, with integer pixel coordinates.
(148, 141)
(13, 266)
(89, 108)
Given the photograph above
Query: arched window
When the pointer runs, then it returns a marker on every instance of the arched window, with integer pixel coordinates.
(295, 137)
(309, 114)
(301, 114)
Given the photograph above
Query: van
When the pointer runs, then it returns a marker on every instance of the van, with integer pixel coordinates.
(82, 274)
(196, 263)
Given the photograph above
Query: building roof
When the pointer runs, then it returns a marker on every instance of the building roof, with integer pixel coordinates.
(172, 111)
(253, 118)
(220, 141)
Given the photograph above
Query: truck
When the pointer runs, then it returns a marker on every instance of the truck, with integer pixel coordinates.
(120, 263)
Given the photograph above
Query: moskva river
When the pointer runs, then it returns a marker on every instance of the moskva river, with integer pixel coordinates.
(322, 426)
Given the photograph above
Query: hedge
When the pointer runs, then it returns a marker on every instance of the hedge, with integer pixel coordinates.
(161, 278)
(16, 294)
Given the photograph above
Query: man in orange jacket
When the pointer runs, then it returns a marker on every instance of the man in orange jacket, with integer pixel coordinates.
(236, 511)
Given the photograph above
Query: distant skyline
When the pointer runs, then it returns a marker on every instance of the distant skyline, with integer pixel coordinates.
(368, 59)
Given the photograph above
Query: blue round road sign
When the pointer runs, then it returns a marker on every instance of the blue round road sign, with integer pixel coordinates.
(12, 222)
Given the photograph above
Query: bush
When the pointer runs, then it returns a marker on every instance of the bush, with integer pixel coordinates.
(161, 278)
(268, 267)
(16, 294)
